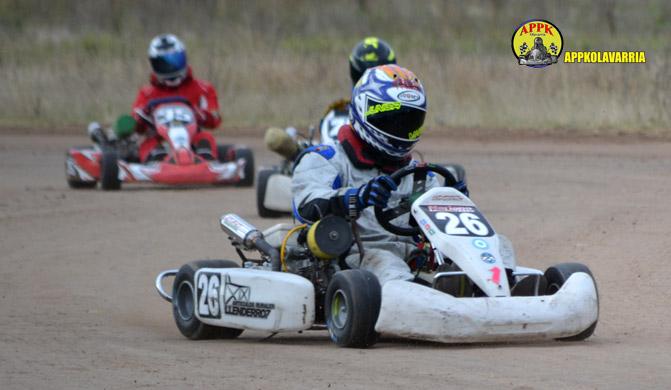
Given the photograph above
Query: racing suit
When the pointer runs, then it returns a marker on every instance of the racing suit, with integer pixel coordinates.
(321, 177)
(203, 98)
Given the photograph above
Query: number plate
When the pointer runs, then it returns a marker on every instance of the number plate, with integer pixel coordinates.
(208, 286)
(459, 220)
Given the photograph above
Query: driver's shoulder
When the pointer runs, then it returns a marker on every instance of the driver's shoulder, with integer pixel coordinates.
(316, 156)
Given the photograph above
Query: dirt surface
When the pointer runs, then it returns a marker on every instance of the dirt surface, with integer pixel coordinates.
(79, 309)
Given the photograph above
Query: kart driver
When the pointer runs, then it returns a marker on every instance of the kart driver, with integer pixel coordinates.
(386, 121)
(172, 77)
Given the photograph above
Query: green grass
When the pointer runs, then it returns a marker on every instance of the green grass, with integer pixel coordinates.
(65, 63)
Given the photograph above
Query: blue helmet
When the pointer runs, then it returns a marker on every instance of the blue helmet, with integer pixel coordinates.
(387, 110)
(167, 56)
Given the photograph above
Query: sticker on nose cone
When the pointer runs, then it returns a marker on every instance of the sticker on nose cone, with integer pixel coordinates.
(488, 258)
(480, 244)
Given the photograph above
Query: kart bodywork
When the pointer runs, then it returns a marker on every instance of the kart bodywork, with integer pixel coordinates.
(494, 299)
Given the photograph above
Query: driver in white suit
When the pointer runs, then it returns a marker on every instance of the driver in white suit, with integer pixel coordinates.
(386, 121)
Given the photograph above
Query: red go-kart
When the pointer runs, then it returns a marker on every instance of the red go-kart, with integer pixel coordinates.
(175, 160)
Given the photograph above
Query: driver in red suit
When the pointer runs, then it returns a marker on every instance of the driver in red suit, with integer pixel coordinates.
(172, 77)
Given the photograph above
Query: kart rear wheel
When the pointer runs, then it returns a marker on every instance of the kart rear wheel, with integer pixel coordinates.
(351, 308)
(261, 188)
(556, 276)
(184, 303)
(109, 170)
(247, 155)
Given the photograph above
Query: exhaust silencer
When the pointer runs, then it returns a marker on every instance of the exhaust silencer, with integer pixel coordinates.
(244, 234)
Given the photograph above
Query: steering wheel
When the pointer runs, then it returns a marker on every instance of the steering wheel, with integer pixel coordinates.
(419, 171)
(169, 99)
(144, 113)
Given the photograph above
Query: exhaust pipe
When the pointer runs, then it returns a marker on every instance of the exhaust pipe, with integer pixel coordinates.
(245, 235)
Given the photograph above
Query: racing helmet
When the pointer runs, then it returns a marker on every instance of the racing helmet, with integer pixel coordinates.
(387, 110)
(370, 52)
(167, 57)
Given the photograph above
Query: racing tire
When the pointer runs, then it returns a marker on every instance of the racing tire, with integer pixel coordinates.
(183, 303)
(223, 151)
(351, 308)
(457, 286)
(109, 170)
(247, 155)
(74, 182)
(556, 276)
(261, 187)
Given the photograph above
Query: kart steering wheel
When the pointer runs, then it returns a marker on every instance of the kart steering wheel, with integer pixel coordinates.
(419, 171)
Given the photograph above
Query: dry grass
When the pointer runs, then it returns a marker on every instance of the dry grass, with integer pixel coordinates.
(281, 62)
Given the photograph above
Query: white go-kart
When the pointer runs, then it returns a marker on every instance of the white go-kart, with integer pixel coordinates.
(468, 287)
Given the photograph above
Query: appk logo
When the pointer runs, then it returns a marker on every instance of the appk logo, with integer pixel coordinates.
(537, 43)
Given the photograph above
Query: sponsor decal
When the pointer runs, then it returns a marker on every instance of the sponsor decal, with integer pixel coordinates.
(537, 43)
(237, 301)
(383, 107)
(479, 243)
(446, 197)
(487, 258)
(408, 96)
(496, 275)
(423, 222)
(413, 135)
(452, 209)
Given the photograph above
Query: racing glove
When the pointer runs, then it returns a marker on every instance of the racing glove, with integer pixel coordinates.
(374, 193)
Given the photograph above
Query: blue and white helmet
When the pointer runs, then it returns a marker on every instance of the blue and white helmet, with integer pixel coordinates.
(387, 110)
(167, 56)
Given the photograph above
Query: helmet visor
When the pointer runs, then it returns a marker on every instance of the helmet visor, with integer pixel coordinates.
(395, 119)
(169, 63)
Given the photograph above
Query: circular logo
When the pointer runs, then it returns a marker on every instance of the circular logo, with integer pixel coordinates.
(488, 258)
(480, 243)
(537, 43)
(408, 96)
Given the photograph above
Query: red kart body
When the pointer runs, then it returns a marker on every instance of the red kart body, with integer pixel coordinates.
(175, 125)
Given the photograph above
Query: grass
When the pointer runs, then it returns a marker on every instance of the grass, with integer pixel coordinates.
(64, 63)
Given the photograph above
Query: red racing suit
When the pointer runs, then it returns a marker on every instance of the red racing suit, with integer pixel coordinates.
(202, 96)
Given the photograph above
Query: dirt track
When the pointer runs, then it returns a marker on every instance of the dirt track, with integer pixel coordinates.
(79, 309)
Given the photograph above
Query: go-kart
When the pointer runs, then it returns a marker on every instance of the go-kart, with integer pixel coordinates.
(112, 160)
(273, 187)
(468, 287)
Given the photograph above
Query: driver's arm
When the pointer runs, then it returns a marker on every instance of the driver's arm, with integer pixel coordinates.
(318, 189)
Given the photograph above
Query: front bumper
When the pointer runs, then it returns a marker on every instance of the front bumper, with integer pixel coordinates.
(413, 311)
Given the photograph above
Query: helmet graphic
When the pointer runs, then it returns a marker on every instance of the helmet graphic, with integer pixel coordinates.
(370, 52)
(167, 56)
(387, 110)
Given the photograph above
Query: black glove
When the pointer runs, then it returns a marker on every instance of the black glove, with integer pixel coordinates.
(374, 193)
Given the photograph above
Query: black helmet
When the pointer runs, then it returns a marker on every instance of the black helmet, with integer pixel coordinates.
(370, 52)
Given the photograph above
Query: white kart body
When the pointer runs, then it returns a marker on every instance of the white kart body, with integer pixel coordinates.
(254, 299)
(278, 195)
(275, 302)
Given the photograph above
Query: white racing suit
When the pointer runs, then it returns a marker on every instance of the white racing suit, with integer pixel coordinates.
(321, 177)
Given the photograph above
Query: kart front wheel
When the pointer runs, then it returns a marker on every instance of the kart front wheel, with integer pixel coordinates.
(184, 303)
(247, 155)
(351, 308)
(109, 170)
(556, 276)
